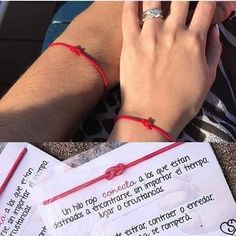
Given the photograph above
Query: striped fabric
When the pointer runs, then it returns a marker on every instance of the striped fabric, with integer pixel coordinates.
(216, 121)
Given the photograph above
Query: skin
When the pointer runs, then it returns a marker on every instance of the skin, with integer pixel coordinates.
(178, 59)
(59, 90)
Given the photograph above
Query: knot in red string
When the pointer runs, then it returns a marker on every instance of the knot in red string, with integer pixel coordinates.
(115, 171)
(79, 51)
(76, 50)
(147, 123)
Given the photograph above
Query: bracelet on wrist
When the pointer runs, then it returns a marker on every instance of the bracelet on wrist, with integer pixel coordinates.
(148, 123)
(79, 52)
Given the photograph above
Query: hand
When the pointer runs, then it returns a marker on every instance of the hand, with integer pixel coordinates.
(167, 68)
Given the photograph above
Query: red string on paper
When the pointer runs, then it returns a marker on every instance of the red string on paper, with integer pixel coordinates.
(78, 51)
(13, 169)
(112, 172)
(147, 123)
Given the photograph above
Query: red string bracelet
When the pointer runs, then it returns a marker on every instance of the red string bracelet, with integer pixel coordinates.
(148, 123)
(13, 169)
(112, 172)
(78, 51)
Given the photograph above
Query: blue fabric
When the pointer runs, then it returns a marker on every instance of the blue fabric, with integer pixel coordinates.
(69, 10)
(64, 15)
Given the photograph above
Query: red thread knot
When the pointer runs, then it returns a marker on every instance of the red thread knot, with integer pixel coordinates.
(115, 171)
(147, 123)
(76, 50)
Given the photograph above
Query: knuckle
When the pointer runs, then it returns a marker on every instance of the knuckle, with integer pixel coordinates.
(194, 41)
(169, 37)
(148, 41)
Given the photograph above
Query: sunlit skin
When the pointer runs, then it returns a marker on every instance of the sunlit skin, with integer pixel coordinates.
(167, 68)
(58, 91)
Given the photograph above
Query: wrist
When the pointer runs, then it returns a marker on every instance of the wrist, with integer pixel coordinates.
(130, 131)
(172, 124)
(60, 65)
(93, 41)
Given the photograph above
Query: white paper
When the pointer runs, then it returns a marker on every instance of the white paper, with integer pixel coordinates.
(18, 215)
(190, 197)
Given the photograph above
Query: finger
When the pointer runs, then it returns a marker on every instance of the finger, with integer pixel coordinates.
(223, 11)
(202, 17)
(130, 20)
(151, 25)
(151, 4)
(178, 12)
(213, 49)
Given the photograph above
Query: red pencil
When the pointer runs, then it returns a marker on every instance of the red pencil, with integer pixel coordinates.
(13, 169)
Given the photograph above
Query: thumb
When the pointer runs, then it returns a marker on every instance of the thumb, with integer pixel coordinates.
(213, 49)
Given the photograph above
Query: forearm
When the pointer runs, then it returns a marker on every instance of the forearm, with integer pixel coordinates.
(51, 98)
(54, 96)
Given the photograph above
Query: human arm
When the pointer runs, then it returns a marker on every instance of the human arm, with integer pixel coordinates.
(23, 114)
(57, 92)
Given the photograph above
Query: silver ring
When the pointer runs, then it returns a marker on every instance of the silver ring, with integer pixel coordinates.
(152, 13)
